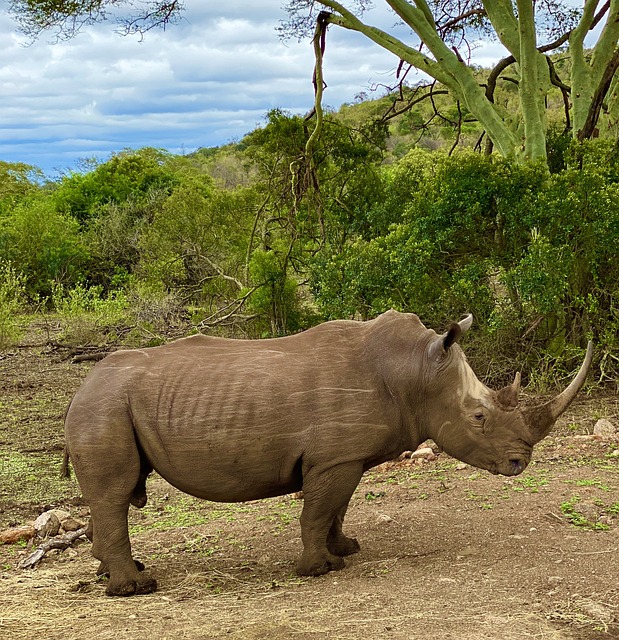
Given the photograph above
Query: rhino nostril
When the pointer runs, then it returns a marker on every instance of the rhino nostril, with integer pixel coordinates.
(518, 465)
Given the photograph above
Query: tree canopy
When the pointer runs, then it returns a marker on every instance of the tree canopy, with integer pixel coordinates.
(442, 32)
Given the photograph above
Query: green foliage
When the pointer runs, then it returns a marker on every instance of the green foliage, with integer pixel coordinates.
(196, 241)
(87, 315)
(276, 294)
(43, 244)
(17, 181)
(129, 175)
(12, 300)
(307, 202)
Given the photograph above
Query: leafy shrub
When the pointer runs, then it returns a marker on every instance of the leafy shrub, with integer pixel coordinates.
(12, 299)
(43, 244)
(89, 317)
(275, 298)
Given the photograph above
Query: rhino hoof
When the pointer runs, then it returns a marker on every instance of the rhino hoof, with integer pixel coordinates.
(143, 585)
(320, 568)
(344, 547)
(103, 570)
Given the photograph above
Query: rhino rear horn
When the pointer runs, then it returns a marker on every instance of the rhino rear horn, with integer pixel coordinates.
(541, 419)
(509, 396)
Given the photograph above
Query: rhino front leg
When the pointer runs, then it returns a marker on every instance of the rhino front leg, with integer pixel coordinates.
(326, 494)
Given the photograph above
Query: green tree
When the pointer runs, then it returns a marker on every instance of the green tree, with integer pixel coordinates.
(442, 28)
(309, 200)
(17, 181)
(196, 242)
(127, 176)
(43, 244)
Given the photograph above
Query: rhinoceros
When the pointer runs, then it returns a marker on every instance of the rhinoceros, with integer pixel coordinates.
(234, 420)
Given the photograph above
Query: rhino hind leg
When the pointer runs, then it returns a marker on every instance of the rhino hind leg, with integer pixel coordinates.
(112, 547)
(103, 570)
(326, 494)
(111, 473)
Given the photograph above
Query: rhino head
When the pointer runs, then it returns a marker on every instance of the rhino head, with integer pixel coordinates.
(485, 428)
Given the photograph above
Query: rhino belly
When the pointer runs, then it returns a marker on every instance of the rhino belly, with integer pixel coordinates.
(228, 471)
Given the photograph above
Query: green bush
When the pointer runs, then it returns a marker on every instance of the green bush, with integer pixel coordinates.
(88, 317)
(12, 301)
(275, 299)
(43, 244)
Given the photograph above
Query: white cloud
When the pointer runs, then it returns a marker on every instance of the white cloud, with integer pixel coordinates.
(203, 82)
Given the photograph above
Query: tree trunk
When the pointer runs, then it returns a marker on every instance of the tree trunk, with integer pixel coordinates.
(593, 71)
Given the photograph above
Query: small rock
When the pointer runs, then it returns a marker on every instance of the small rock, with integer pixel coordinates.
(423, 452)
(615, 454)
(71, 524)
(47, 525)
(17, 534)
(61, 514)
(461, 466)
(67, 521)
(383, 517)
(604, 429)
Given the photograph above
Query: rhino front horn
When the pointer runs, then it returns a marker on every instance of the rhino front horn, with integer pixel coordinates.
(541, 419)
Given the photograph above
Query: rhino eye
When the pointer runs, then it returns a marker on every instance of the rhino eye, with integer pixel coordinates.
(479, 417)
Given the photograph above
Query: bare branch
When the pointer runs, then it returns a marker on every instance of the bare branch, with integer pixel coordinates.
(588, 129)
(58, 542)
(66, 18)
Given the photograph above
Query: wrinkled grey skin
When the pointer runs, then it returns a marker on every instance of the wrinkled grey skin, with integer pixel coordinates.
(234, 420)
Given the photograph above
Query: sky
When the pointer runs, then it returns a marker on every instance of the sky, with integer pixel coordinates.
(203, 82)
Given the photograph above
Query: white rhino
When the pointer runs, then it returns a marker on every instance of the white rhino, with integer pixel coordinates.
(234, 420)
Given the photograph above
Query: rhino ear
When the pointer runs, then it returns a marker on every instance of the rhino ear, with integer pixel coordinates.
(455, 331)
(443, 343)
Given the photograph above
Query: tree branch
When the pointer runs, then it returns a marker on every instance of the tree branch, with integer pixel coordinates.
(589, 126)
(58, 542)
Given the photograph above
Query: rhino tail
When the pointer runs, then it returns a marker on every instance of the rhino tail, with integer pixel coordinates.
(65, 469)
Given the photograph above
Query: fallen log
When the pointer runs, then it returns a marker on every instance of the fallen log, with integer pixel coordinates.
(17, 534)
(57, 542)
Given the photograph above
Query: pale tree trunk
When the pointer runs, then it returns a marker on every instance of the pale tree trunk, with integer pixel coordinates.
(594, 71)
(521, 135)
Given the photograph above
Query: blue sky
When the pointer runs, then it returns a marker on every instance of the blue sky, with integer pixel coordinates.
(203, 82)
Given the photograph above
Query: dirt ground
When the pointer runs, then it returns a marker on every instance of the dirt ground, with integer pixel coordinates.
(448, 551)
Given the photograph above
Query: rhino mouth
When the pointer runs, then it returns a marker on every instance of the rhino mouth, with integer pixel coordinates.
(512, 467)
